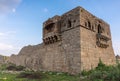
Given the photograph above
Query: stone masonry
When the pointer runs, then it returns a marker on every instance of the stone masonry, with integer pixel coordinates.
(73, 42)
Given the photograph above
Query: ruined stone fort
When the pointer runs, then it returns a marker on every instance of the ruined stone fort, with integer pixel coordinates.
(72, 42)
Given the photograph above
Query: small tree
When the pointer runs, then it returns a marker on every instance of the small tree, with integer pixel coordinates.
(101, 65)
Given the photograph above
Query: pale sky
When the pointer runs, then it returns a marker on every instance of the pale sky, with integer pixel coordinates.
(21, 20)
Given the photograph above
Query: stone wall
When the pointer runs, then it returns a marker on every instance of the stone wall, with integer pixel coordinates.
(91, 53)
(29, 56)
(70, 35)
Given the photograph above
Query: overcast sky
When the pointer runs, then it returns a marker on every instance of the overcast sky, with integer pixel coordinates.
(21, 20)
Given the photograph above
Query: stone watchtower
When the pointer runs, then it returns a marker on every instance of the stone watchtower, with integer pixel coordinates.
(81, 38)
(72, 42)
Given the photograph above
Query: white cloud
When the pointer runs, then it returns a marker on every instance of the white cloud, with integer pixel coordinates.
(2, 34)
(7, 35)
(13, 10)
(5, 46)
(116, 45)
(45, 10)
(9, 44)
(7, 6)
(10, 32)
(7, 49)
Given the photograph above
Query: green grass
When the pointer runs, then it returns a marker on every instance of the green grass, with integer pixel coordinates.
(52, 76)
(45, 76)
(33, 76)
(12, 77)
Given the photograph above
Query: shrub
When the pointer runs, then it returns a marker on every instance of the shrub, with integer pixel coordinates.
(13, 67)
(3, 66)
(86, 73)
(101, 66)
(20, 68)
(103, 73)
(30, 75)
